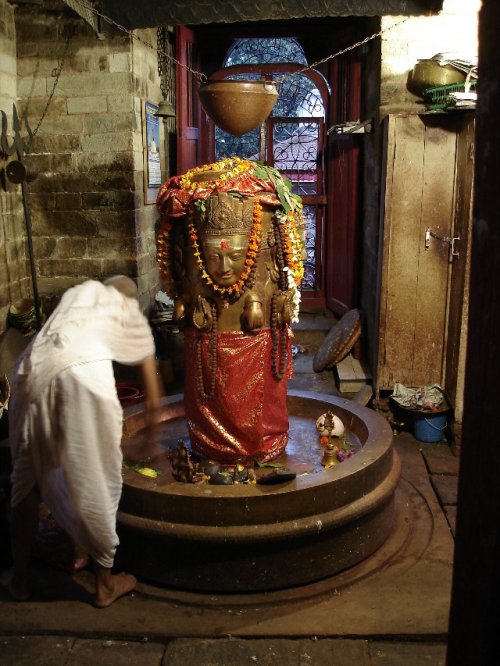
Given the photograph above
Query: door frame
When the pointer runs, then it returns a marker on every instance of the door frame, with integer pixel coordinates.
(342, 219)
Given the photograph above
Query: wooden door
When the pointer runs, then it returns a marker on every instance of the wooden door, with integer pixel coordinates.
(457, 330)
(415, 276)
(188, 106)
(341, 248)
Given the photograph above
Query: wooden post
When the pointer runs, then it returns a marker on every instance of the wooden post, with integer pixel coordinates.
(475, 607)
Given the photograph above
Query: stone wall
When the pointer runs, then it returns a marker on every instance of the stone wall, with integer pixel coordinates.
(14, 274)
(145, 87)
(85, 93)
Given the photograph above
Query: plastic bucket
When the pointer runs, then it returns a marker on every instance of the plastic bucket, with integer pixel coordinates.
(129, 393)
(429, 427)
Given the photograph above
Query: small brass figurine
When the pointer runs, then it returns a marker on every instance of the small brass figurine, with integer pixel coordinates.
(182, 467)
(330, 456)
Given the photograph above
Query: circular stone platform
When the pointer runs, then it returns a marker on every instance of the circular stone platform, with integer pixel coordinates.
(247, 538)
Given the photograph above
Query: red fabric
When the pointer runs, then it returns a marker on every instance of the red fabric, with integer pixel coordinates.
(247, 418)
(173, 201)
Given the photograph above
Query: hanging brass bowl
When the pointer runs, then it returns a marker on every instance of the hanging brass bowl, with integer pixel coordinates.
(238, 106)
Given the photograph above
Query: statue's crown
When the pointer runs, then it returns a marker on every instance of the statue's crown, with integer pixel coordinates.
(225, 214)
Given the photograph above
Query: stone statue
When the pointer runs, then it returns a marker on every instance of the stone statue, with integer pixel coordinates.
(230, 255)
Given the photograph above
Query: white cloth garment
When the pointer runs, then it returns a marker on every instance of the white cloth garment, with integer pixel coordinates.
(65, 419)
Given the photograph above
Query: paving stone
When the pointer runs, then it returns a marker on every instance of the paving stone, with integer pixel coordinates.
(31, 650)
(302, 362)
(446, 487)
(305, 379)
(451, 516)
(407, 654)
(272, 652)
(440, 459)
(92, 652)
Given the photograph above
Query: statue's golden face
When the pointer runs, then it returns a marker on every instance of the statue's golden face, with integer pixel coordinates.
(225, 257)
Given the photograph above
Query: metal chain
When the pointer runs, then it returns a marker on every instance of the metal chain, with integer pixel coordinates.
(202, 77)
(56, 73)
(163, 54)
(341, 52)
(199, 75)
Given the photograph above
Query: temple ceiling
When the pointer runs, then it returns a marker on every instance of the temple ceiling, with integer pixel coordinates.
(152, 13)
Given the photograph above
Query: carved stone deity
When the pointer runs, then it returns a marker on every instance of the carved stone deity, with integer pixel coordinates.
(230, 255)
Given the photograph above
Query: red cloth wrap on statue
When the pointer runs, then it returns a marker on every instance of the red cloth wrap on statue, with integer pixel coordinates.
(247, 418)
(173, 201)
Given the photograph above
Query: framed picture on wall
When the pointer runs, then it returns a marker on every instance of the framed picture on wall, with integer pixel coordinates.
(152, 156)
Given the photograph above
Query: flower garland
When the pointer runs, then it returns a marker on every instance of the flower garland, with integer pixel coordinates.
(254, 242)
(232, 167)
(292, 246)
(225, 172)
(164, 257)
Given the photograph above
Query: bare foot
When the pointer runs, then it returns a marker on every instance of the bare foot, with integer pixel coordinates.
(78, 563)
(117, 586)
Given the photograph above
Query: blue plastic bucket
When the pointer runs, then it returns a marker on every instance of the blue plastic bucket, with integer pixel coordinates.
(429, 427)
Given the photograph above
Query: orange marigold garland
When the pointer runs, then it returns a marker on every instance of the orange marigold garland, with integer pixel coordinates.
(254, 241)
(231, 168)
(226, 172)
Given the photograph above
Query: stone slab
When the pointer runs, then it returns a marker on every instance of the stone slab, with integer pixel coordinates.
(351, 374)
(68, 651)
(278, 651)
(445, 486)
(451, 515)
(440, 459)
(39, 650)
(409, 654)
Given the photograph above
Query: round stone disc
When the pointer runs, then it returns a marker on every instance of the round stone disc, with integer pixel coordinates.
(339, 341)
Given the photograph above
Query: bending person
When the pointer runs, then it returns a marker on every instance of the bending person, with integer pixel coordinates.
(66, 425)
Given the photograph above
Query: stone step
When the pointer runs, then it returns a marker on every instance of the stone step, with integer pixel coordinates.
(309, 333)
(352, 375)
(311, 330)
(315, 383)
(305, 379)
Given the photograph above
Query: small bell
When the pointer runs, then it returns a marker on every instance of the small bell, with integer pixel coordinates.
(330, 456)
(165, 110)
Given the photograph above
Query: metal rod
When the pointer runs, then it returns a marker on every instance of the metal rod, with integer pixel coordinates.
(27, 219)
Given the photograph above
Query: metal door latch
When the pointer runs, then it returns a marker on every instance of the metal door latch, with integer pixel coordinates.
(451, 240)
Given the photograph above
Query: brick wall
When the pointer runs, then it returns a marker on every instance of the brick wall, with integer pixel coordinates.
(87, 202)
(14, 274)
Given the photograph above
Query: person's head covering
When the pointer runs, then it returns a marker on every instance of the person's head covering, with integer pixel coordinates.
(123, 284)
